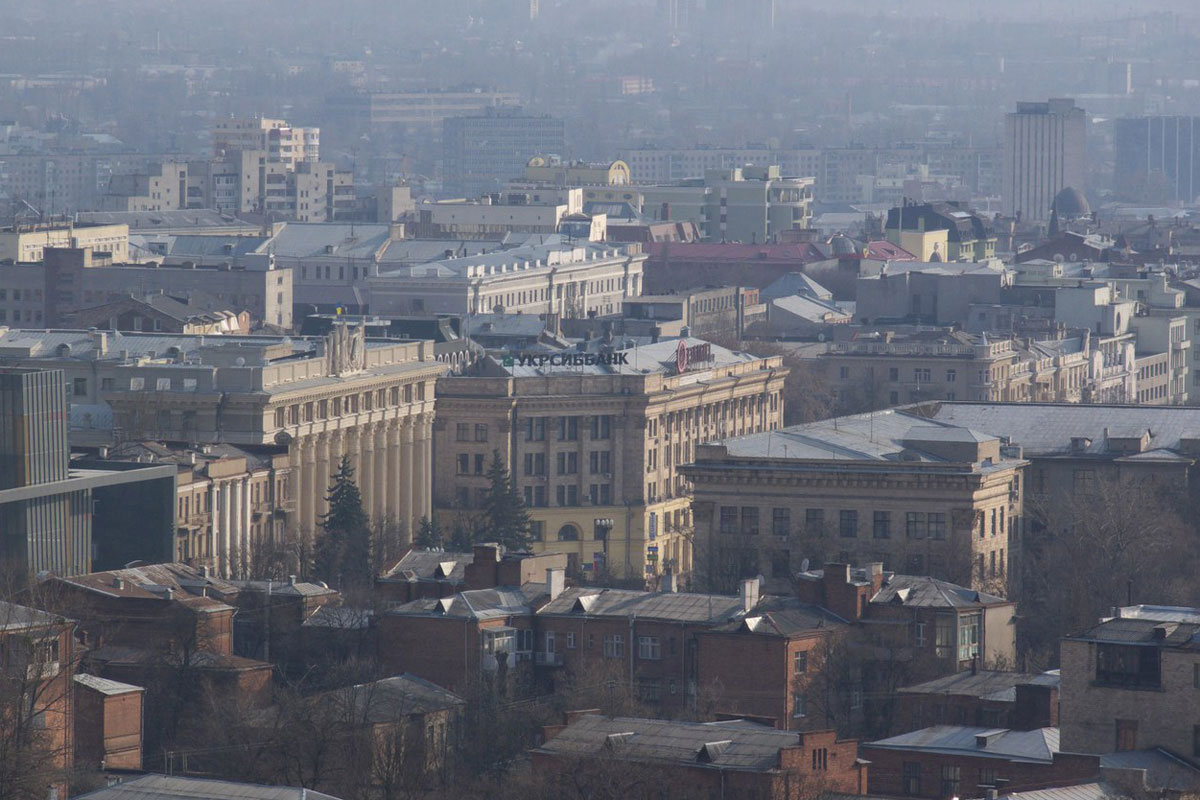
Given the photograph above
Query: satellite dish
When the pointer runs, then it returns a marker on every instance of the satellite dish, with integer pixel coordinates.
(804, 565)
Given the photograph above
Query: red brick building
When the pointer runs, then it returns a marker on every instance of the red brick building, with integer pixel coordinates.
(693, 759)
(434, 573)
(108, 724)
(948, 761)
(786, 641)
(645, 640)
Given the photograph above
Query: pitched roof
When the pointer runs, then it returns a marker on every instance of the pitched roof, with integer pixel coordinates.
(104, 685)
(502, 601)
(430, 565)
(674, 606)
(389, 699)
(923, 591)
(782, 616)
(1038, 745)
(15, 617)
(738, 745)
(984, 684)
(1082, 791)
(165, 787)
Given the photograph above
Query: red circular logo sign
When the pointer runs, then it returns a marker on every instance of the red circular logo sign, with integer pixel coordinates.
(681, 356)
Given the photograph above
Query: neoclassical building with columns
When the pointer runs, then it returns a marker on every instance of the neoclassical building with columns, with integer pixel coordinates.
(314, 400)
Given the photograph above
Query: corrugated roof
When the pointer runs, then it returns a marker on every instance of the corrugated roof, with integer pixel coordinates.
(312, 240)
(164, 787)
(15, 617)
(922, 591)
(502, 601)
(984, 684)
(1082, 791)
(430, 565)
(737, 747)
(1038, 745)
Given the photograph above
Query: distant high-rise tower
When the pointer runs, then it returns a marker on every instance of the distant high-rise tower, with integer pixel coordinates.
(482, 152)
(1045, 151)
(1157, 159)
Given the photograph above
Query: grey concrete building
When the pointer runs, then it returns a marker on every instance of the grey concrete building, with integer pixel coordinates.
(482, 152)
(1044, 152)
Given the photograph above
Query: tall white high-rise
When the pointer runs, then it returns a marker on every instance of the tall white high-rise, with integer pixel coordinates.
(1044, 152)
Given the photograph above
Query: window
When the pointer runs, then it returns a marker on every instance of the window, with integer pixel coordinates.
(568, 429)
(848, 524)
(729, 519)
(951, 376)
(882, 525)
(800, 663)
(1196, 740)
(537, 528)
(781, 521)
(79, 387)
(600, 462)
(912, 778)
(481, 432)
(968, 637)
(799, 707)
(106, 384)
(1084, 481)
(568, 533)
(1130, 666)
(814, 521)
(943, 636)
(614, 645)
(535, 463)
(525, 641)
(749, 520)
(894, 374)
(649, 690)
(571, 641)
(820, 759)
(535, 429)
(781, 564)
(923, 374)
(568, 463)
(988, 775)
(915, 524)
(464, 464)
(602, 426)
(649, 648)
(137, 384)
(951, 780)
(919, 634)
(1196, 676)
(937, 525)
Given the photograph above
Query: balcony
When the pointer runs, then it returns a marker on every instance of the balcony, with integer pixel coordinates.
(543, 659)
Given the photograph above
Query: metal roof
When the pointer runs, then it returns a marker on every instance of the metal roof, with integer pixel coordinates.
(1082, 791)
(313, 240)
(389, 699)
(1163, 770)
(503, 601)
(106, 686)
(15, 617)
(923, 591)
(166, 787)
(739, 746)
(1038, 745)
(673, 606)
(985, 684)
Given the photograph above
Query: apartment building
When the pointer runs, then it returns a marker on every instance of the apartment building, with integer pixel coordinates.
(1044, 152)
(889, 369)
(28, 241)
(941, 232)
(595, 442)
(1128, 683)
(482, 152)
(314, 400)
(162, 187)
(918, 497)
(746, 204)
(283, 143)
(69, 280)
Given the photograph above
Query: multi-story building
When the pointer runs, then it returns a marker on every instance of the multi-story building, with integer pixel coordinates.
(49, 292)
(980, 697)
(550, 170)
(746, 204)
(557, 276)
(282, 142)
(1044, 153)
(315, 400)
(495, 216)
(27, 242)
(482, 152)
(162, 187)
(55, 517)
(953, 365)
(1129, 683)
(968, 236)
(1152, 154)
(917, 496)
(425, 111)
(595, 442)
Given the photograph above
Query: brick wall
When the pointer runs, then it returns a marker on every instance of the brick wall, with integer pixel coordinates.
(887, 772)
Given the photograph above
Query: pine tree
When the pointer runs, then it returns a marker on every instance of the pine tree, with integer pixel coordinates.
(505, 517)
(429, 535)
(462, 536)
(344, 553)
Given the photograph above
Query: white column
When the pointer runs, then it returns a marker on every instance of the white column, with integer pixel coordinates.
(306, 503)
(408, 476)
(224, 567)
(321, 478)
(393, 475)
(422, 483)
(364, 445)
(379, 472)
(238, 558)
(429, 464)
(247, 517)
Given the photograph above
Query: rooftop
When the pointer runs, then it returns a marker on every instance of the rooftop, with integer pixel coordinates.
(736, 745)
(390, 699)
(991, 685)
(502, 601)
(672, 606)
(1028, 746)
(657, 357)
(104, 685)
(165, 787)
(14, 617)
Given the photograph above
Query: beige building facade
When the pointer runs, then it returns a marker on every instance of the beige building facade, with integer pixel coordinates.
(887, 487)
(596, 448)
(28, 242)
(315, 400)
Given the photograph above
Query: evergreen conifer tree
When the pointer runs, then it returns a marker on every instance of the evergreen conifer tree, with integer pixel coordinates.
(343, 555)
(505, 517)
(429, 534)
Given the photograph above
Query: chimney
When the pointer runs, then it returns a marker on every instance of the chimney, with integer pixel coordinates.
(118, 583)
(204, 571)
(170, 593)
(875, 573)
(291, 580)
(666, 211)
(556, 578)
(990, 793)
(749, 594)
(100, 343)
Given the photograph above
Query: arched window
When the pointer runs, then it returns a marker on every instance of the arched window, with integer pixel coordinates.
(568, 533)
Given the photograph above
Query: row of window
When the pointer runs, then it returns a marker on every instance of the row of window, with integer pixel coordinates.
(745, 520)
(565, 427)
(349, 404)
